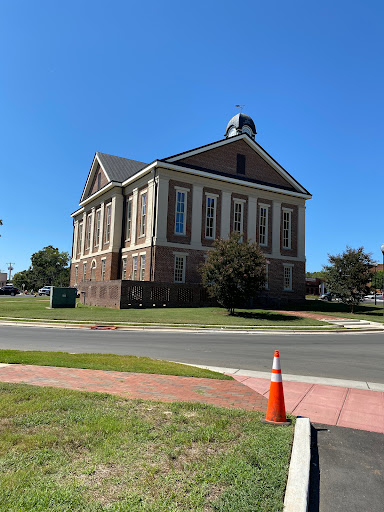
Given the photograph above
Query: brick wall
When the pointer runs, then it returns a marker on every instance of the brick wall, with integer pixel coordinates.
(164, 258)
(224, 159)
(103, 181)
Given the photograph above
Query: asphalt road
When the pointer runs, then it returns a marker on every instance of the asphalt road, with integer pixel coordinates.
(352, 356)
(347, 470)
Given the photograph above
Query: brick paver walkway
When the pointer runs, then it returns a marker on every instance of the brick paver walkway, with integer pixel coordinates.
(164, 388)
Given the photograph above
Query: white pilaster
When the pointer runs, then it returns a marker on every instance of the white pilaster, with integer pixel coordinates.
(162, 209)
(83, 234)
(252, 213)
(197, 206)
(149, 227)
(92, 221)
(116, 221)
(75, 238)
(225, 214)
(301, 232)
(276, 228)
(101, 241)
(134, 216)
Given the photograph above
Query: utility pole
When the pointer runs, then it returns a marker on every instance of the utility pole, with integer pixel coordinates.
(10, 268)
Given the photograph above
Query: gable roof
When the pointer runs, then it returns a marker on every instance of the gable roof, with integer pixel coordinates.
(253, 144)
(118, 168)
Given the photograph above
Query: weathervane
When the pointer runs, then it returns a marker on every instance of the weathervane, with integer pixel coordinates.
(240, 107)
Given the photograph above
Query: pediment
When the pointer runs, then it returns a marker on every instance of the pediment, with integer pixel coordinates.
(97, 179)
(222, 157)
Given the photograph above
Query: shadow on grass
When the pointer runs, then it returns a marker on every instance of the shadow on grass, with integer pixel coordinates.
(275, 317)
(320, 306)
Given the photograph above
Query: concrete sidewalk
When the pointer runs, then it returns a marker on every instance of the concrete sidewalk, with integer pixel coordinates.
(332, 405)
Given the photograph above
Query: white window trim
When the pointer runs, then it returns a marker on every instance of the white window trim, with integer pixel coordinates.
(88, 241)
(207, 197)
(185, 190)
(124, 260)
(142, 227)
(76, 274)
(238, 201)
(266, 207)
(128, 238)
(287, 210)
(290, 266)
(141, 276)
(97, 234)
(183, 257)
(134, 258)
(85, 264)
(108, 231)
(103, 263)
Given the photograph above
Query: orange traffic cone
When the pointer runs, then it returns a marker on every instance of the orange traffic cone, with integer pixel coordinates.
(276, 406)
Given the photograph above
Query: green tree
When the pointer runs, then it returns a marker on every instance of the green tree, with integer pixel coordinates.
(320, 274)
(234, 271)
(49, 267)
(376, 280)
(348, 275)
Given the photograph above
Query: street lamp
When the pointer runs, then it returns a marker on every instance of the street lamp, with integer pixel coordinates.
(382, 290)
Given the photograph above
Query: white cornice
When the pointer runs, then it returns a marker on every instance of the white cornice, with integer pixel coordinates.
(100, 192)
(140, 173)
(235, 181)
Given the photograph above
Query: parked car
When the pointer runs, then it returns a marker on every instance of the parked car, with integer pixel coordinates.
(45, 290)
(326, 296)
(9, 289)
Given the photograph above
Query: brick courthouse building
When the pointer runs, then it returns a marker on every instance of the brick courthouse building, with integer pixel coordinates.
(143, 230)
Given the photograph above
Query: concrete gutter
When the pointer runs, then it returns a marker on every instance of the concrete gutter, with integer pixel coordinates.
(297, 490)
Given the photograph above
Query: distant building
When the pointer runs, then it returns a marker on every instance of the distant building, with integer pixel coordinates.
(155, 222)
(3, 278)
(314, 286)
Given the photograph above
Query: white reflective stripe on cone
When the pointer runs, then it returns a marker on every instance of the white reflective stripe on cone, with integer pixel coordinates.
(276, 377)
(276, 363)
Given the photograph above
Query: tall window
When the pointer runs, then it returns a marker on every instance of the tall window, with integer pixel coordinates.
(99, 181)
(179, 271)
(80, 238)
(129, 220)
(134, 268)
(124, 269)
(84, 271)
(210, 217)
(286, 229)
(76, 274)
(238, 216)
(108, 224)
(143, 215)
(287, 278)
(88, 235)
(93, 271)
(142, 267)
(97, 230)
(263, 225)
(181, 200)
(103, 270)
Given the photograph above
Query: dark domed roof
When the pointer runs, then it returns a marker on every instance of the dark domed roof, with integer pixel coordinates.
(240, 120)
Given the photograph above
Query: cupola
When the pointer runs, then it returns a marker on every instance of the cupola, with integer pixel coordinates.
(240, 123)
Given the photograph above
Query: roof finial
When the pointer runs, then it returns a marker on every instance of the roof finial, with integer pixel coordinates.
(240, 107)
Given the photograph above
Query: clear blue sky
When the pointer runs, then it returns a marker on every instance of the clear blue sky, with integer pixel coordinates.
(149, 79)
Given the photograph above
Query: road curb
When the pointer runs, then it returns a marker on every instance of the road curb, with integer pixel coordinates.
(297, 490)
(228, 330)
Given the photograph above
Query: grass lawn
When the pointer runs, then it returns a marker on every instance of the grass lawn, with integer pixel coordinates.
(109, 362)
(365, 311)
(38, 308)
(69, 451)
